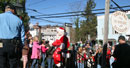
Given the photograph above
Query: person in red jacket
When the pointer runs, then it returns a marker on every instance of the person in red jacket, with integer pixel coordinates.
(61, 43)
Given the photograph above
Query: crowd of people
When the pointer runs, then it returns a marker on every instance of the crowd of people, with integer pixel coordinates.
(37, 53)
(87, 55)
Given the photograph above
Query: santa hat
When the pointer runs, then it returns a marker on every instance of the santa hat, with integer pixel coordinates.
(60, 29)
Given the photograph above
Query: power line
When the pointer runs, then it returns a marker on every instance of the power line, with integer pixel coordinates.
(54, 6)
(118, 6)
(38, 12)
(35, 3)
(76, 14)
(48, 21)
(41, 18)
(80, 11)
(52, 15)
(34, 10)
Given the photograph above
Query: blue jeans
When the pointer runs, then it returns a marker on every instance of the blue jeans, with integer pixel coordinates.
(50, 62)
(80, 65)
(98, 66)
(43, 58)
(34, 63)
(111, 61)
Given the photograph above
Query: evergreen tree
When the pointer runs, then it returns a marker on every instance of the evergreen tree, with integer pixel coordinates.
(77, 29)
(88, 26)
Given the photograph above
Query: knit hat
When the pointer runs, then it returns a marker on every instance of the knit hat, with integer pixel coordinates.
(121, 38)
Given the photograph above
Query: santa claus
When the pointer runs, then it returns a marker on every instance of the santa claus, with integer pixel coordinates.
(61, 43)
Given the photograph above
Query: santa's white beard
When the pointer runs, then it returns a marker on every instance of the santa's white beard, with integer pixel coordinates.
(59, 34)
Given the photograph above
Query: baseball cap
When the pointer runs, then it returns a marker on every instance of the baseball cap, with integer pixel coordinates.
(10, 6)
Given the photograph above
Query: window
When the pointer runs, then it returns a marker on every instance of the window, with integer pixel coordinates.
(54, 30)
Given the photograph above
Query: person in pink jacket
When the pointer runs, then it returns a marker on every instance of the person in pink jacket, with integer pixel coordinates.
(44, 49)
(35, 52)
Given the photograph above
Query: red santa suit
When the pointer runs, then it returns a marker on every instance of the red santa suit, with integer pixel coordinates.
(61, 44)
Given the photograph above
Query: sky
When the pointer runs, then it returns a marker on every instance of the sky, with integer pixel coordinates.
(44, 7)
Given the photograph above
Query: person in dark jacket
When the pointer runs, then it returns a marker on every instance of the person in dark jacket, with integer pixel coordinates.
(122, 54)
(49, 55)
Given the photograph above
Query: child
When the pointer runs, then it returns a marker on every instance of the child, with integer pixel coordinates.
(25, 51)
(35, 52)
(30, 44)
(79, 58)
(44, 49)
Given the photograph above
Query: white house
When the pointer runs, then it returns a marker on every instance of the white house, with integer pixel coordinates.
(49, 33)
(112, 33)
(34, 29)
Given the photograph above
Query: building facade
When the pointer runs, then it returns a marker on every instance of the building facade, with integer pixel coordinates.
(49, 33)
(34, 30)
(112, 34)
(44, 32)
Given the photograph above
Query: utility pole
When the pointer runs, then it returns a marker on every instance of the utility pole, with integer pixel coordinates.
(105, 40)
(106, 21)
